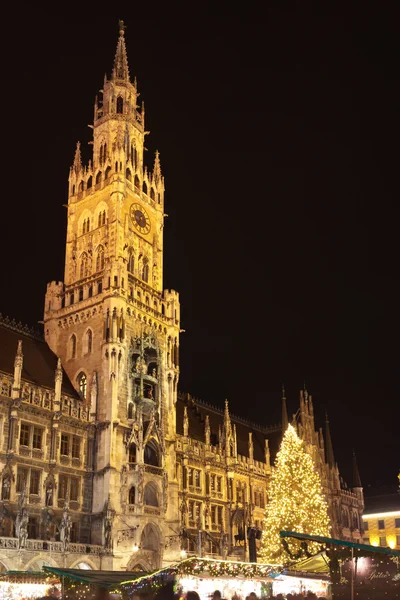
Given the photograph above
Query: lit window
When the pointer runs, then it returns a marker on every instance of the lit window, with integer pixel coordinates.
(34, 482)
(82, 383)
(382, 541)
(64, 445)
(76, 447)
(37, 438)
(24, 435)
(381, 524)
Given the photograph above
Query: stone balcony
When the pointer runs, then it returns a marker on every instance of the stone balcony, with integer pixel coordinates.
(11, 543)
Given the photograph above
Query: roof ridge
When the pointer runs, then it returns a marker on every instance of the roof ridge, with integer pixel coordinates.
(238, 419)
(21, 328)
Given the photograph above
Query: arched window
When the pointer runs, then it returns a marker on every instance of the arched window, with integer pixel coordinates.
(132, 495)
(82, 384)
(132, 453)
(103, 217)
(84, 265)
(98, 177)
(72, 343)
(144, 187)
(152, 194)
(131, 262)
(130, 410)
(89, 341)
(145, 270)
(151, 494)
(100, 259)
(89, 182)
(81, 186)
(137, 182)
(120, 105)
(133, 156)
(151, 454)
(128, 174)
(108, 171)
(101, 155)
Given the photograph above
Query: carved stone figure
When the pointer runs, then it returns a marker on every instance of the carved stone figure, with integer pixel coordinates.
(65, 528)
(21, 527)
(5, 488)
(140, 484)
(107, 528)
(49, 495)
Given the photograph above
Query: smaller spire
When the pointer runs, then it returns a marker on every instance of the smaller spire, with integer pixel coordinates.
(157, 168)
(78, 158)
(185, 422)
(330, 459)
(285, 421)
(356, 475)
(121, 69)
(207, 430)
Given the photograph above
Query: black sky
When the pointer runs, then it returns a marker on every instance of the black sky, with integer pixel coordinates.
(278, 128)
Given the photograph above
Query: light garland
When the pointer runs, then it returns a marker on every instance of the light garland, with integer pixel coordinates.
(296, 503)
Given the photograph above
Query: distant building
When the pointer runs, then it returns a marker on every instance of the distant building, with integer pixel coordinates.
(381, 519)
(103, 463)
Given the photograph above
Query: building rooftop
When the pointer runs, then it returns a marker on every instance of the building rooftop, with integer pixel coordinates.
(39, 362)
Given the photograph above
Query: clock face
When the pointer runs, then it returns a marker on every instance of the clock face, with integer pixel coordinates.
(140, 219)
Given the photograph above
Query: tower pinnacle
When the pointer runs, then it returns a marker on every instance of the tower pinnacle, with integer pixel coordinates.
(329, 448)
(121, 69)
(285, 421)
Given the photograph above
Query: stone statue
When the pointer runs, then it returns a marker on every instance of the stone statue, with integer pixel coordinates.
(165, 491)
(5, 488)
(65, 528)
(140, 484)
(107, 529)
(49, 495)
(21, 527)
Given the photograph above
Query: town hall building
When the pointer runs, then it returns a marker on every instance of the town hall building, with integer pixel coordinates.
(104, 464)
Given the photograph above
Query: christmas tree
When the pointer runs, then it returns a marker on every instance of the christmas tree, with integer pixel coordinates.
(296, 503)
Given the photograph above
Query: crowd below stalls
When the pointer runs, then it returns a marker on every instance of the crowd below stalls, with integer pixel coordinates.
(253, 596)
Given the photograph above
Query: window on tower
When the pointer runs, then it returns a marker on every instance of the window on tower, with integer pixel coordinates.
(98, 177)
(89, 182)
(100, 259)
(152, 194)
(72, 343)
(144, 187)
(145, 270)
(137, 182)
(82, 383)
(120, 105)
(131, 262)
(108, 171)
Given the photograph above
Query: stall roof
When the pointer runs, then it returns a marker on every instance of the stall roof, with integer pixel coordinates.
(314, 564)
(335, 542)
(104, 579)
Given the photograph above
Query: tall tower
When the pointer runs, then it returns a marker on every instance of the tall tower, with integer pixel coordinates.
(115, 329)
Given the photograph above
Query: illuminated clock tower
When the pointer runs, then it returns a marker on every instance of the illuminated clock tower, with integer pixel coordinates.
(116, 329)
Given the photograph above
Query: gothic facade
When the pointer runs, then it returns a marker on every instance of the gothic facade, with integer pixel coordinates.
(102, 461)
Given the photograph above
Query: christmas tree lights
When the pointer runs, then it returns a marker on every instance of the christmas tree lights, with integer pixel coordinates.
(296, 503)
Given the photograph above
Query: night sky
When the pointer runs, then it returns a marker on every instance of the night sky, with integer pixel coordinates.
(278, 130)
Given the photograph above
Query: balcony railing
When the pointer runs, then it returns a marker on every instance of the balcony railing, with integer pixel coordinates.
(42, 545)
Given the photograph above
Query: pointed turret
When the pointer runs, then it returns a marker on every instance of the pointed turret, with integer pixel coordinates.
(330, 459)
(121, 69)
(356, 475)
(285, 421)
(157, 168)
(77, 166)
(185, 422)
(207, 431)
(18, 362)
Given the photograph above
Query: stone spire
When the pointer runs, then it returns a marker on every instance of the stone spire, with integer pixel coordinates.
(356, 475)
(121, 69)
(58, 385)
(78, 158)
(157, 168)
(18, 362)
(207, 430)
(330, 459)
(185, 422)
(285, 421)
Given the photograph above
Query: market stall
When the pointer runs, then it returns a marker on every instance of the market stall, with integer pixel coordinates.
(232, 579)
(28, 585)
